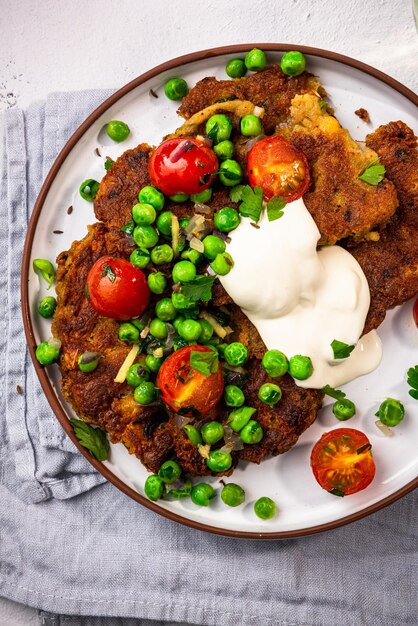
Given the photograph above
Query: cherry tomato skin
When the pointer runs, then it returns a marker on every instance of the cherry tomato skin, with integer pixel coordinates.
(415, 311)
(182, 165)
(278, 168)
(117, 289)
(342, 461)
(199, 391)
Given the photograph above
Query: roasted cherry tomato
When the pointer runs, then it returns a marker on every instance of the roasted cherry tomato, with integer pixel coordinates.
(342, 461)
(182, 165)
(182, 386)
(415, 311)
(278, 168)
(117, 289)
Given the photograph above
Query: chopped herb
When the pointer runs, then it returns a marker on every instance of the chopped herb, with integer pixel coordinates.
(188, 145)
(236, 193)
(328, 449)
(199, 289)
(341, 350)
(228, 174)
(200, 164)
(206, 363)
(367, 446)
(108, 164)
(252, 202)
(333, 393)
(374, 173)
(180, 378)
(45, 269)
(337, 492)
(204, 179)
(323, 105)
(412, 379)
(108, 271)
(183, 492)
(93, 439)
(275, 208)
(129, 227)
(86, 291)
(213, 133)
(186, 410)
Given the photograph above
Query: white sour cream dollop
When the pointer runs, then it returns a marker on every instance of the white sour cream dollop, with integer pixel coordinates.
(299, 298)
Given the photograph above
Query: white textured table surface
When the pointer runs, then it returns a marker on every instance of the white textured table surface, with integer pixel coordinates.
(58, 45)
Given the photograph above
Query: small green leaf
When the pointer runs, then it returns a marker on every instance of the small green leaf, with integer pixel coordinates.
(275, 208)
(199, 289)
(86, 291)
(129, 227)
(93, 439)
(337, 492)
(374, 173)
(108, 271)
(206, 363)
(236, 193)
(252, 202)
(333, 393)
(45, 269)
(108, 164)
(367, 446)
(213, 133)
(412, 380)
(341, 350)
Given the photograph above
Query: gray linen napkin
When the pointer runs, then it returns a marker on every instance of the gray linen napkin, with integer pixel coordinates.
(102, 555)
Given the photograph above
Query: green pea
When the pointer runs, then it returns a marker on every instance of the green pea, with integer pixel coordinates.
(140, 258)
(144, 393)
(191, 255)
(157, 282)
(164, 222)
(265, 508)
(154, 487)
(184, 272)
(165, 310)
(240, 417)
(230, 173)
(213, 246)
(170, 471)
(145, 236)
(178, 320)
(176, 88)
(117, 131)
(219, 127)
(45, 269)
(255, 60)
(181, 302)
(275, 363)
(88, 189)
(158, 328)
(206, 331)
(153, 363)
(128, 332)
(269, 393)
(391, 412)
(251, 126)
(162, 254)
(144, 214)
(222, 264)
(88, 362)
(219, 461)
(184, 221)
(179, 197)
(233, 396)
(47, 306)
(226, 219)
(252, 432)
(190, 330)
(212, 432)
(236, 353)
(202, 197)
(232, 494)
(300, 367)
(293, 63)
(344, 409)
(151, 195)
(182, 493)
(193, 434)
(224, 150)
(46, 354)
(136, 375)
(236, 68)
(202, 494)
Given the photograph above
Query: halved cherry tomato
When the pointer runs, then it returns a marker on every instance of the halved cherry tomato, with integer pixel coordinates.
(342, 461)
(415, 311)
(278, 168)
(183, 387)
(117, 289)
(182, 165)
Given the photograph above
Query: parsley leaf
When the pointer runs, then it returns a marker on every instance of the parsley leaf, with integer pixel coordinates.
(252, 202)
(275, 208)
(129, 227)
(94, 439)
(337, 394)
(374, 173)
(108, 271)
(108, 164)
(200, 288)
(412, 379)
(341, 350)
(205, 362)
(236, 193)
(213, 133)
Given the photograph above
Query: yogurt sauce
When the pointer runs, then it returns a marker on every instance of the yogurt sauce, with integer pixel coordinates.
(299, 298)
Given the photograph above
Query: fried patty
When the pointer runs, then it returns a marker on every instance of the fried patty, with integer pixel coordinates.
(152, 433)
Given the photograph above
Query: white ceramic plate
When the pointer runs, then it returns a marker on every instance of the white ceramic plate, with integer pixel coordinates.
(302, 505)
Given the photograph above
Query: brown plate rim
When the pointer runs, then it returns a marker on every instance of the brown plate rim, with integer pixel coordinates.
(27, 322)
